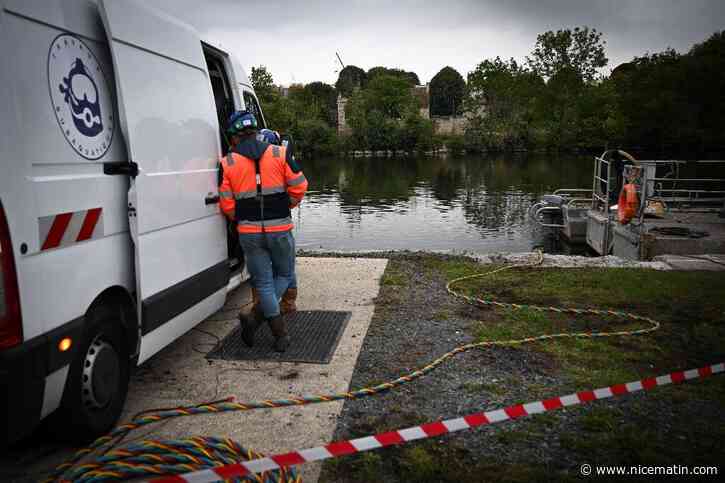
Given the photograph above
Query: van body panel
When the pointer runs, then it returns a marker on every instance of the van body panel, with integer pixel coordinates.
(239, 74)
(86, 83)
(78, 16)
(171, 130)
(157, 339)
(79, 268)
(45, 176)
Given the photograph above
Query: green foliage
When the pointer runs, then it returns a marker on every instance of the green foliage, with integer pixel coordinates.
(314, 136)
(416, 132)
(350, 77)
(447, 89)
(410, 77)
(263, 83)
(454, 143)
(279, 112)
(324, 96)
(389, 95)
(502, 101)
(671, 100)
(559, 107)
(308, 112)
(580, 50)
(384, 116)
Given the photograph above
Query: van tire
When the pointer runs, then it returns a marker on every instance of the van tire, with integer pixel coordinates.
(98, 378)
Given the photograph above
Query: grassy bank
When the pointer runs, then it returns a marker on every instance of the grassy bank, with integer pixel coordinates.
(415, 321)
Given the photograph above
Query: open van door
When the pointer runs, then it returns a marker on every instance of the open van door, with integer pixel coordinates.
(168, 118)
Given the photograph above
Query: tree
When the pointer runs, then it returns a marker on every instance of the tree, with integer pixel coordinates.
(385, 115)
(350, 77)
(705, 87)
(410, 77)
(502, 100)
(447, 89)
(558, 108)
(581, 50)
(652, 99)
(263, 83)
(314, 136)
(325, 96)
(390, 95)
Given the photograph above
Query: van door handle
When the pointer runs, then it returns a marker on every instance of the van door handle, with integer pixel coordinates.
(211, 199)
(126, 168)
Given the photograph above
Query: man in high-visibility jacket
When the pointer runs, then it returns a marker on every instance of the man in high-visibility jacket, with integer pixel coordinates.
(258, 191)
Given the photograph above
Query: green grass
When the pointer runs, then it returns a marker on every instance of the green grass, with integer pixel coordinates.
(690, 305)
(393, 278)
(418, 464)
(600, 419)
(685, 296)
(513, 436)
(478, 387)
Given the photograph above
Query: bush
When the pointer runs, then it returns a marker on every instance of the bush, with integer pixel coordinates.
(314, 136)
(455, 144)
(416, 133)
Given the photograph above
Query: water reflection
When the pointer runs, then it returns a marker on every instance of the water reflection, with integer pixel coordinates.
(474, 204)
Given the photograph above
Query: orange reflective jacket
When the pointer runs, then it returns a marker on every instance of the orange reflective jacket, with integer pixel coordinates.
(265, 208)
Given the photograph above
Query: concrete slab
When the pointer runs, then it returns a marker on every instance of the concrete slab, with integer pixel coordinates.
(710, 263)
(180, 375)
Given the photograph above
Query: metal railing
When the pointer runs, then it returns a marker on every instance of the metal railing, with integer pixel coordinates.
(570, 196)
(677, 193)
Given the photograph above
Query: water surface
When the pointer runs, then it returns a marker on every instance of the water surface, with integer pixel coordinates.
(472, 204)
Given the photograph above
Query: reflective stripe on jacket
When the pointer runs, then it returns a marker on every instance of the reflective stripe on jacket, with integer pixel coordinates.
(281, 190)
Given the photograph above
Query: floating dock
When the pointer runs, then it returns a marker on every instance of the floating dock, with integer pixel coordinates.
(680, 211)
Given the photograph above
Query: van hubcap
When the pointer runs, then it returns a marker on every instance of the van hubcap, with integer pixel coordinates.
(101, 373)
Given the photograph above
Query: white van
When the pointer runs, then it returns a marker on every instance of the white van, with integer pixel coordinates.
(111, 240)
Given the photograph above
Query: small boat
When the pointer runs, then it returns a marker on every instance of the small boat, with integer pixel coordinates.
(565, 211)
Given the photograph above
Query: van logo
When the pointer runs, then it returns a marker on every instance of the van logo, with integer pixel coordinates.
(80, 96)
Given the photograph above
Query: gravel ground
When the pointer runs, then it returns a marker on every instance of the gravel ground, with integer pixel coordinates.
(416, 321)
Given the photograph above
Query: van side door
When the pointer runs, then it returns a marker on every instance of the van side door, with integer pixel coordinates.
(169, 122)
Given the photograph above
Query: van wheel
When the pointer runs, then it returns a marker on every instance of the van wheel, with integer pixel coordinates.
(98, 379)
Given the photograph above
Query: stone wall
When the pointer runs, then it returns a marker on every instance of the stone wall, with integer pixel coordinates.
(449, 124)
(342, 127)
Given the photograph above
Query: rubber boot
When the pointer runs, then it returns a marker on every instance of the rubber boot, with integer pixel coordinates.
(250, 323)
(279, 330)
(288, 303)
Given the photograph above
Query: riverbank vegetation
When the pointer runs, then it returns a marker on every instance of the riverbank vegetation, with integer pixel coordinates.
(557, 99)
(415, 321)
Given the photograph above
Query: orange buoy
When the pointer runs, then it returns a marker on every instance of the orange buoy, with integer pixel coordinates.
(628, 203)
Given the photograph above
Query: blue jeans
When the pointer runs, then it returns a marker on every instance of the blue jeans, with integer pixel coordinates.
(270, 259)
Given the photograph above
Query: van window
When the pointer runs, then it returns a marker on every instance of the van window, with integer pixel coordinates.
(223, 97)
(250, 104)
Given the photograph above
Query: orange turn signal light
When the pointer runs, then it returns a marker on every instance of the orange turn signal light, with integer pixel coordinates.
(65, 344)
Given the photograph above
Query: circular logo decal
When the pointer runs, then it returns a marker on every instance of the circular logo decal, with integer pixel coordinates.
(80, 96)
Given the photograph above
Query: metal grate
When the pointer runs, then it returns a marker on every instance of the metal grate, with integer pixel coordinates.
(314, 335)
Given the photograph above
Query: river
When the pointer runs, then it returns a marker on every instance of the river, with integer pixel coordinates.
(468, 204)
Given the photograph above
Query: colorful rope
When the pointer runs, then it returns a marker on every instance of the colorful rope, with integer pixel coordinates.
(162, 457)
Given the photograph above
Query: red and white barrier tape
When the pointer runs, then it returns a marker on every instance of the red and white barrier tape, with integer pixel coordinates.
(433, 429)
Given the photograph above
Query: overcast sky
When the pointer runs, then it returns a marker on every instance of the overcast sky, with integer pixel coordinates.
(297, 41)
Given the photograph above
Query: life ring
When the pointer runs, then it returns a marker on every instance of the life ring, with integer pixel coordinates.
(628, 203)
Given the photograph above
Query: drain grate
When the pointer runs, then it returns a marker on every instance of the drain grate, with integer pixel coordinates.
(314, 335)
